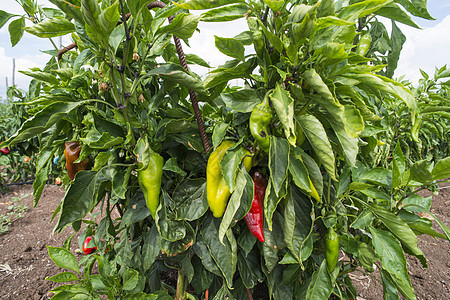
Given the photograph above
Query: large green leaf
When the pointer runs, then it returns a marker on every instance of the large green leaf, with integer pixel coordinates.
(42, 120)
(176, 73)
(183, 26)
(442, 169)
(108, 18)
(400, 229)
(4, 17)
(230, 165)
(319, 286)
(242, 100)
(241, 197)
(284, 107)
(205, 4)
(396, 45)
(190, 199)
(393, 260)
(278, 162)
(317, 137)
(71, 10)
(394, 12)
(226, 13)
(63, 258)
(224, 255)
(361, 9)
(230, 47)
(15, 29)
(51, 28)
(80, 198)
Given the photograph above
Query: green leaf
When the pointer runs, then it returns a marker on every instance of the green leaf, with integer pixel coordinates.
(63, 258)
(224, 14)
(80, 198)
(390, 292)
(284, 107)
(273, 39)
(183, 26)
(275, 5)
(150, 249)
(52, 28)
(230, 165)
(242, 196)
(195, 59)
(130, 279)
(419, 225)
(71, 10)
(95, 140)
(201, 250)
(90, 12)
(249, 269)
(417, 8)
(63, 277)
(442, 169)
(224, 74)
(108, 19)
(361, 9)
(398, 165)
(230, 47)
(225, 256)
(298, 222)
(242, 100)
(336, 115)
(379, 176)
(278, 162)
(220, 130)
(396, 45)
(42, 121)
(15, 29)
(320, 286)
(172, 165)
(420, 173)
(394, 12)
(400, 229)
(317, 137)
(177, 74)
(42, 76)
(43, 168)
(299, 172)
(393, 260)
(190, 199)
(4, 17)
(205, 4)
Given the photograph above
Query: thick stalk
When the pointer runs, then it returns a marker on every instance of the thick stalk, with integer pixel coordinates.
(180, 293)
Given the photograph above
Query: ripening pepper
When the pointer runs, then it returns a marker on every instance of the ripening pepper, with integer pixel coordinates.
(4, 150)
(150, 181)
(331, 249)
(254, 217)
(72, 153)
(217, 191)
(364, 44)
(259, 121)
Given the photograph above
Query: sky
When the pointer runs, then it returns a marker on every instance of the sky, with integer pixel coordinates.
(424, 49)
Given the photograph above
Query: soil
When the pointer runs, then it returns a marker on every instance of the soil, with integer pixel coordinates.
(24, 262)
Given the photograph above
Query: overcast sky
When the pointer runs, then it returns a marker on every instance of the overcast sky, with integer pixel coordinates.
(425, 49)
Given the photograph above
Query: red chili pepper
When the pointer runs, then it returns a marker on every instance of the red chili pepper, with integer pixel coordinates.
(4, 150)
(86, 249)
(254, 218)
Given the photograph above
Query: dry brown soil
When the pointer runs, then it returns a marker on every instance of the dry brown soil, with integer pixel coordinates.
(24, 262)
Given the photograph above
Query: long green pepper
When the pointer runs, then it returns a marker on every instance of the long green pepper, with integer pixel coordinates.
(259, 121)
(331, 249)
(150, 181)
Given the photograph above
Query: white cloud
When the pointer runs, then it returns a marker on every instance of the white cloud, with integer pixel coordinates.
(424, 49)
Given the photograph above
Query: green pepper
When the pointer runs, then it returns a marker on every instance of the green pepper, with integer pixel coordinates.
(259, 121)
(364, 44)
(217, 191)
(150, 181)
(331, 249)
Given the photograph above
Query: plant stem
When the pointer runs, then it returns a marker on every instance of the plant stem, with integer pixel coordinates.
(180, 293)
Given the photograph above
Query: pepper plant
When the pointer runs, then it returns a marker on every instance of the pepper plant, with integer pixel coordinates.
(306, 120)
